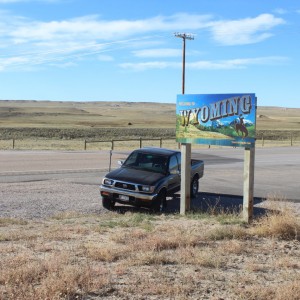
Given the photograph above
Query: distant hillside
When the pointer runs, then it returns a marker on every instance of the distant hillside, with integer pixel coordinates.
(57, 119)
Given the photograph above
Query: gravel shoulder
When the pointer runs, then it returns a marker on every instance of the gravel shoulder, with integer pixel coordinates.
(42, 199)
(47, 198)
(40, 184)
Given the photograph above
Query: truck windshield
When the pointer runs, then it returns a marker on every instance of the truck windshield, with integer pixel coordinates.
(146, 161)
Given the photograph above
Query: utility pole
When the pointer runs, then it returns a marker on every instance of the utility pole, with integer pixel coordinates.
(186, 149)
(184, 37)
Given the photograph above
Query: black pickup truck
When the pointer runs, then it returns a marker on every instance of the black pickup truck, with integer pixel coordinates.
(146, 178)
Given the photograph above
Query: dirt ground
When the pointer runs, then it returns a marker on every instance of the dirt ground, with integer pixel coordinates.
(130, 255)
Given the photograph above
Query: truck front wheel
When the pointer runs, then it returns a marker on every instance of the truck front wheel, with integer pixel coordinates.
(194, 187)
(107, 203)
(160, 202)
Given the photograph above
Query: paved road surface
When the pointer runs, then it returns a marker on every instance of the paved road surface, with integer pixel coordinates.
(277, 170)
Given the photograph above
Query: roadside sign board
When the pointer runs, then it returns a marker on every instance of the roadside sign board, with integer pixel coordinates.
(216, 119)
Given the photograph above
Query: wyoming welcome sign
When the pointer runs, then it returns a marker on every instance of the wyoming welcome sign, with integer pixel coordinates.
(216, 119)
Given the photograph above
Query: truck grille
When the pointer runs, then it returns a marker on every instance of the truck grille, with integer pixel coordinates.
(125, 186)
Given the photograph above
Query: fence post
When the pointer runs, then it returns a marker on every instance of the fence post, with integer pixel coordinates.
(140, 142)
(112, 144)
(13, 143)
(110, 155)
(262, 140)
(84, 144)
(160, 143)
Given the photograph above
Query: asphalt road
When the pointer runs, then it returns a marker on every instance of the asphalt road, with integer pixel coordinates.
(277, 170)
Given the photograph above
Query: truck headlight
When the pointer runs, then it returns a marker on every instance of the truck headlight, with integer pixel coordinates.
(107, 181)
(147, 188)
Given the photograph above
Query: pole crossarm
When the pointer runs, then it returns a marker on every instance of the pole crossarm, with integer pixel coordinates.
(186, 36)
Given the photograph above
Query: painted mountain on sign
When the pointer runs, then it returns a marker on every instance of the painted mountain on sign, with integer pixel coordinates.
(247, 123)
(220, 124)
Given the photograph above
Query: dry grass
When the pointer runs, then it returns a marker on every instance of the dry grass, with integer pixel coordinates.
(139, 256)
(54, 276)
(45, 125)
(12, 221)
(281, 291)
(54, 114)
(278, 118)
(281, 224)
(81, 115)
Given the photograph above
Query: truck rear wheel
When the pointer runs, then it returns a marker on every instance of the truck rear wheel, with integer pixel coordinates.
(107, 203)
(194, 187)
(160, 202)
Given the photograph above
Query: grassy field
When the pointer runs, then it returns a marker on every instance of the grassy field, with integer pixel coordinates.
(278, 118)
(204, 255)
(65, 125)
(85, 115)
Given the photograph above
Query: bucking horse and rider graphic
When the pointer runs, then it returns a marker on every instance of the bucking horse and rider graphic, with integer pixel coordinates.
(240, 127)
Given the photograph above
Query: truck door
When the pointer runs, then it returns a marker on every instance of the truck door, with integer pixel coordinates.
(174, 177)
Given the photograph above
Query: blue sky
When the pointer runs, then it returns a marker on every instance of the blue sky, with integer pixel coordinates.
(125, 50)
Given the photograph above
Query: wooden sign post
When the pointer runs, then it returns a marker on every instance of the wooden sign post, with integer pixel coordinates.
(249, 155)
(185, 184)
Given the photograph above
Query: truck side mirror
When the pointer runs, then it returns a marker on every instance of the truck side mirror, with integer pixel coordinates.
(120, 162)
(175, 172)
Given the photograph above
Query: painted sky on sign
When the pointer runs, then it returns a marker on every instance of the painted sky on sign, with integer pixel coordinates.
(125, 50)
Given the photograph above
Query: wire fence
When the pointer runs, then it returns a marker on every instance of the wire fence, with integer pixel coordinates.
(287, 139)
(263, 140)
(51, 144)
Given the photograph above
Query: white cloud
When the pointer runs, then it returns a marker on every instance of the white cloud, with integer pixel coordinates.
(237, 63)
(10, 1)
(148, 65)
(207, 65)
(245, 31)
(15, 1)
(64, 65)
(12, 61)
(280, 11)
(88, 35)
(162, 52)
(39, 42)
(88, 27)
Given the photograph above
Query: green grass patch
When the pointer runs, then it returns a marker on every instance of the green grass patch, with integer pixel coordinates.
(12, 221)
(133, 220)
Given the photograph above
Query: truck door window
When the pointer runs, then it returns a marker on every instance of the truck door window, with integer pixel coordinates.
(131, 160)
(173, 165)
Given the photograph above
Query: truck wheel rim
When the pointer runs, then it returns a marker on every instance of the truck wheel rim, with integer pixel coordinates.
(195, 187)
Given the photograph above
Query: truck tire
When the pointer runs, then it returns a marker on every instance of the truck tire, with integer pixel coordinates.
(160, 202)
(194, 187)
(107, 203)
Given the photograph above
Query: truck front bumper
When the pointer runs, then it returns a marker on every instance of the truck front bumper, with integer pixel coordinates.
(118, 195)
